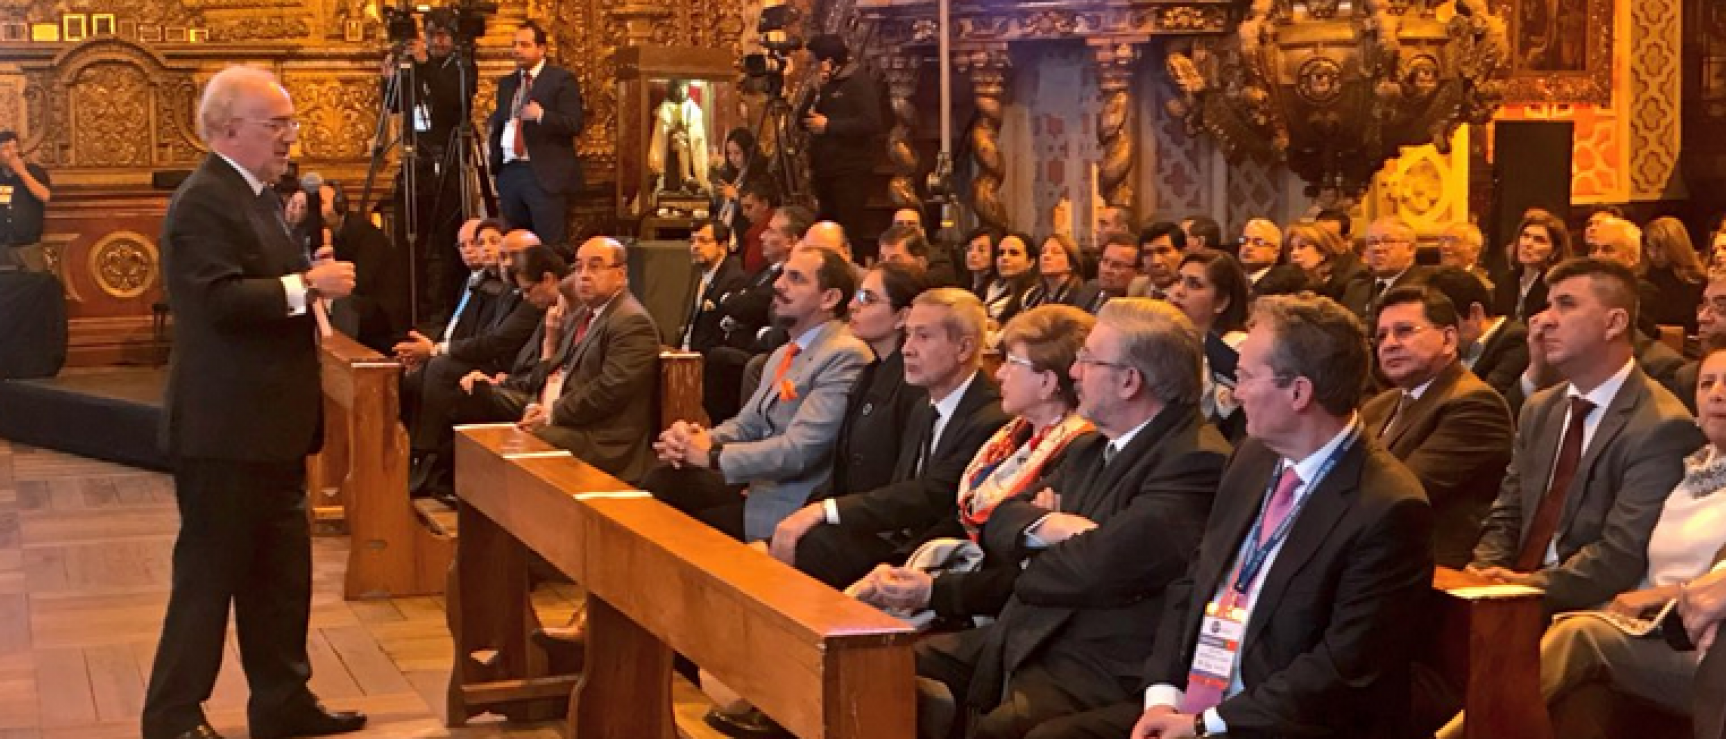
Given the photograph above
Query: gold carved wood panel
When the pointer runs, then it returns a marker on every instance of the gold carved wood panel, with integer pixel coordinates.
(108, 107)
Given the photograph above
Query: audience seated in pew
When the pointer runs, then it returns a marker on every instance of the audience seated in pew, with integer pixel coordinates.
(597, 401)
(1115, 524)
(1390, 251)
(1492, 346)
(1161, 246)
(1117, 270)
(1260, 253)
(780, 445)
(1211, 290)
(1541, 242)
(1015, 275)
(1060, 272)
(717, 274)
(881, 406)
(980, 262)
(1595, 455)
(1451, 430)
(1687, 543)
(842, 537)
(1330, 265)
(504, 329)
(1298, 616)
(1710, 335)
(905, 244)
(745, 313)
(473, 310)
(1617, 240)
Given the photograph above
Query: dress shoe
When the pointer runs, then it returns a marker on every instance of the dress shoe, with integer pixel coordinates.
(315, 722)
(751, 724)
(201, 731)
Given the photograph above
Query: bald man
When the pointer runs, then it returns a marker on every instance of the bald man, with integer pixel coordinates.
(242, 412)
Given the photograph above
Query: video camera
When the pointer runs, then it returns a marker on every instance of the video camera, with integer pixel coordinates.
(765, 71)
(464, 19)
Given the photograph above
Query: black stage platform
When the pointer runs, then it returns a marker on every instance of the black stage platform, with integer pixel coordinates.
(109, 413)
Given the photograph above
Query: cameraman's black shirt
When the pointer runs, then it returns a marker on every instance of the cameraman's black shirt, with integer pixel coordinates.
(439, 82)
(20, 211)
(852, 103)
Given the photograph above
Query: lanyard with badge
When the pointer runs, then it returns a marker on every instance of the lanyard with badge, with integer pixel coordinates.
(1224, 624)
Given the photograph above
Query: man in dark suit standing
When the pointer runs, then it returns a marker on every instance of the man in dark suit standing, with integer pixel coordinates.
(1595, 455)
(1299, 616)
(596, 400)
(242, 412)
(532, 132)
(1121, 521)
(1450, 429)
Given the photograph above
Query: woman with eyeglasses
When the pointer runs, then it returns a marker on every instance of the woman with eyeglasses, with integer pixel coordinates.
(1039, 348)
(1211, 290)
(881, 402)
(1060, 269)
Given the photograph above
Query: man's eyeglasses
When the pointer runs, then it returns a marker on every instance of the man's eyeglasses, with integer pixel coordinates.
(1018, 360)
(595, 266)
(1257, 242)
(1402, 332)
(276, 125)
(1085, 357)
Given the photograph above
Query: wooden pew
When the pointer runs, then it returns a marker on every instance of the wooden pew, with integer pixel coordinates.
(361, 475)
(1488, 645)
(680, 387)
(822, 664)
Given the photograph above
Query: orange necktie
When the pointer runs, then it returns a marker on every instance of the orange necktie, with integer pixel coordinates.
(526, 93)
(787, 390)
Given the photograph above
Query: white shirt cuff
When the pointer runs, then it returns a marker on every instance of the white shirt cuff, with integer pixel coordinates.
(439, 349)
(1214, 722)
(295, 285)
(830, 510)
(1031, 539)
(1163, 694)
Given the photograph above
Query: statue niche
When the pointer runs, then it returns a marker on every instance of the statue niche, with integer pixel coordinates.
(677, 154)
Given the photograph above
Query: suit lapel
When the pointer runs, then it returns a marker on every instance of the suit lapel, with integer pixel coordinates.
(1545, 453)
(1417, 413)
(1323, 510)
(1234, 518)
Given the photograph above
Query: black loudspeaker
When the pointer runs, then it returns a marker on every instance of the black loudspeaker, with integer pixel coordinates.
(1531, 170)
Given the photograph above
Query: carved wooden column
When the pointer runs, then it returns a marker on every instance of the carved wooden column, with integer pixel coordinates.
(988, 67)
(902, 72)
(1117, 136)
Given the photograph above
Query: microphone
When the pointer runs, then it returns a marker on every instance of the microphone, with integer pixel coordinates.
(313, 185)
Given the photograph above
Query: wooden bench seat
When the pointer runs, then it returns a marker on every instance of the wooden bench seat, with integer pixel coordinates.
(1488, 646)
(820, 663)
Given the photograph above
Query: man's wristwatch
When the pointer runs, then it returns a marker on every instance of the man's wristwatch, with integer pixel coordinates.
(713, 456)
(311, 292)
(1200, 730)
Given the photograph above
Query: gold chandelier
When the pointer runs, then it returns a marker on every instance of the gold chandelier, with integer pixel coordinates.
(1335, 88)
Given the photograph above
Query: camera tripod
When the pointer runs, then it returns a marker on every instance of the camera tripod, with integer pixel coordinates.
(784, 164)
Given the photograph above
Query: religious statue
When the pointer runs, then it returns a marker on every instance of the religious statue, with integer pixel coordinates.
(677, 155)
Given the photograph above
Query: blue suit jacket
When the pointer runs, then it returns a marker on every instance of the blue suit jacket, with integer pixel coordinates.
(550, 140)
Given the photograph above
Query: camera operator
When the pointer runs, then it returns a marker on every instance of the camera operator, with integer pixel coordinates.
(443, 86)
(844, 120)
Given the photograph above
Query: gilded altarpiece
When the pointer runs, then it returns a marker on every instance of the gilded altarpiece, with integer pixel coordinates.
(104, 113)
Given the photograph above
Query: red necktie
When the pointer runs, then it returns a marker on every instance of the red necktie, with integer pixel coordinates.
(1545, 524)
(581, 329)
(526, 94)
(1204, 694)
(787, 391)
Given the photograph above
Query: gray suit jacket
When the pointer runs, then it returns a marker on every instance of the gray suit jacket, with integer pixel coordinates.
(784, 449)
(1627, 470)
(605, 413)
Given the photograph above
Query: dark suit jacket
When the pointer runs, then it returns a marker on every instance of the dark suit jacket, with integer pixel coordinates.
(877, 424)
(1660, 363)
(918, 502)
(605, 414)
(244, 381)
(379, 300)
(1282, 279)
(1631, 464)
(1510, 303)
(1684, 383)
(748, 307)
(550, 140)
(1328, 644)
(1345, 269)
(1709, 688)
(701, 323)
(1456, 438)
(1503, 360)
(510, 320)
(1086, 609)
(1358, 295)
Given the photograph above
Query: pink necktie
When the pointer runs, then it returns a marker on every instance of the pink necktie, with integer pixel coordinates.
(1203, 694)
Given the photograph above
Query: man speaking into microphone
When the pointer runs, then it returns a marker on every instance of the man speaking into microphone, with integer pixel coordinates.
(243, 411)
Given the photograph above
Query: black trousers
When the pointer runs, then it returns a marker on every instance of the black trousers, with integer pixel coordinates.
(526, 204)
(244, 542)
(840, 557)
(1032, 698)
(844, 200)
(702, 494)
(1110, 722)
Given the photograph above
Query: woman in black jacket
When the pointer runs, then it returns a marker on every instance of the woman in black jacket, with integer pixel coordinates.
(1541, 241)
(880, 402)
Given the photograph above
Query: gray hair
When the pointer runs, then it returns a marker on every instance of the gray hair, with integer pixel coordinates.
(223, 92)
(1161, 343)
(966, 316)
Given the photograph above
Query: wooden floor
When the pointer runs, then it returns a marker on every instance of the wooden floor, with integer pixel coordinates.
(84, 571)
